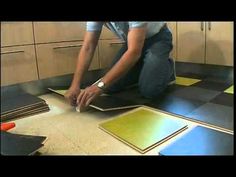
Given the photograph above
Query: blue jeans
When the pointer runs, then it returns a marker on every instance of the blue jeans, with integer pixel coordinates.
(153, 71)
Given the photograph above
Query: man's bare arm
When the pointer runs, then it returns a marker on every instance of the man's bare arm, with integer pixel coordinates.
(85, 56)
(84, 59)
(136, 37)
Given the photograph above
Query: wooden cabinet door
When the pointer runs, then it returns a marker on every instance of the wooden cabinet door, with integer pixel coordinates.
(191, 42)
(57, 59)
(108, 50)
(46, 32)
(18, 65)
(172, 27)
(16, 33)
(219, 43)
(107, 34)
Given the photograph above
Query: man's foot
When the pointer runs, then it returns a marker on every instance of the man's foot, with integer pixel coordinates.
(172, 79)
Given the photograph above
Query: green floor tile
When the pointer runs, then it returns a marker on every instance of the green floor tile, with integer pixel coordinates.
(230, 90)
(186, 81)
(143, 129)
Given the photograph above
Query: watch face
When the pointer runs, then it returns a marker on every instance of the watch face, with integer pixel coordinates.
(101, 84)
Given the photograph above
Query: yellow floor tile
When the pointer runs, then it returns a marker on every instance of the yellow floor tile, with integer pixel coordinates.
(186, 81)
(230, 90)
(142, 128)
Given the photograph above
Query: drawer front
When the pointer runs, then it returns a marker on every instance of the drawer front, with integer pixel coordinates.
(16, 33)
(60, 59)
(108, 50)
(46, 32)
(18, 65)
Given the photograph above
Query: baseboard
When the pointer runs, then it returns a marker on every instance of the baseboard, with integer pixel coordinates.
(39, 87)
(205, 69)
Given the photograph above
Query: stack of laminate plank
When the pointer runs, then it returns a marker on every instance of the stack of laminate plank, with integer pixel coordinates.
(21, 105)
(17, 144)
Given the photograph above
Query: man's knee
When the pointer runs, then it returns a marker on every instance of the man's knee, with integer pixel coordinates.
(150, 92)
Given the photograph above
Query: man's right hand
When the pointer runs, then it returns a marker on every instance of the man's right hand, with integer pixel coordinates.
(71, 95)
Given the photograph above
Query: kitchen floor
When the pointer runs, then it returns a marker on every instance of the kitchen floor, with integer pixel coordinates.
(201, 101)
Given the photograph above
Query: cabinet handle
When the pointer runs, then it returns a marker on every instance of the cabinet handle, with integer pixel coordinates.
(69, 46)
(202, 26)
(209, 26)
(117, 42)
(11, 52)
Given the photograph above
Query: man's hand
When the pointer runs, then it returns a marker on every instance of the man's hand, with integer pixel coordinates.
(87, 95)
(71, 95)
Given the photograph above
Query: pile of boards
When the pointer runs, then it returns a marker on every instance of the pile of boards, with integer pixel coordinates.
(21, 105)
(17, 144)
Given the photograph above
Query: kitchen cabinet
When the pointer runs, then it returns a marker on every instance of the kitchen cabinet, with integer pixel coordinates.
(16, 33)
(38, 50)
(46, 32)
(219, 43)
(18, 65)
(56, 59)
(191, 42)
(205, 42)
(108, 50)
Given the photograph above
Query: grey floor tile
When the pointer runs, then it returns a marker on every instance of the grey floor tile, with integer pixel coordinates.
(215, 114)
(196, 93)
(175, 105)
(224, 99)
